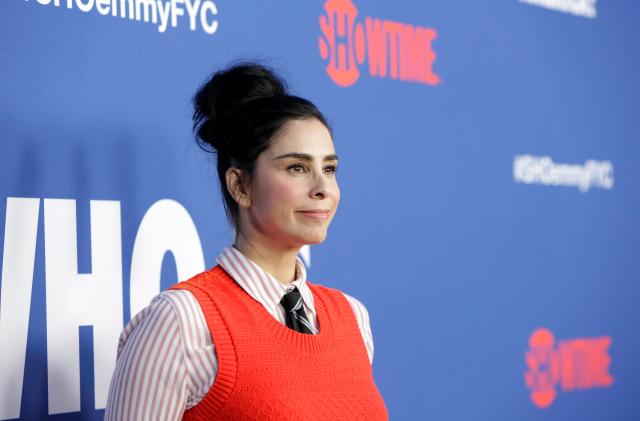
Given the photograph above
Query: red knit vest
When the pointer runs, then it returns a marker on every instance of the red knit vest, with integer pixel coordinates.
(267, 371)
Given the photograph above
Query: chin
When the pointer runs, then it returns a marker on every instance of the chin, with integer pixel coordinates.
(314, 239)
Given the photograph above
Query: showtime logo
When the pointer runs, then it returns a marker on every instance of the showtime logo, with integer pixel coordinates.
(573, 364)
(391, 49)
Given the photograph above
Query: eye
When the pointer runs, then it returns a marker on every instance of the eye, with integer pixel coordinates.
(331, 169)
(297, 168)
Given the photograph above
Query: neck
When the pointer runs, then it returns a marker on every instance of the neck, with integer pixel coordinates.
(278, 261)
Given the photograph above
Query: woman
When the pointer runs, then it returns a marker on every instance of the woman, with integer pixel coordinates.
(251, 339)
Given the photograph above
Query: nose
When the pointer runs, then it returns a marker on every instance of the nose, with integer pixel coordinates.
(321, 187)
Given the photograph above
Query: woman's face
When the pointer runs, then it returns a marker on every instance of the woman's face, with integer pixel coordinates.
(294, 193)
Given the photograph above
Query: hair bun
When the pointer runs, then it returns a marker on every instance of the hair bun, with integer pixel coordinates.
(224, 94)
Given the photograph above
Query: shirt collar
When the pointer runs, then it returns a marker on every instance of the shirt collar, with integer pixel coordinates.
(260, 284)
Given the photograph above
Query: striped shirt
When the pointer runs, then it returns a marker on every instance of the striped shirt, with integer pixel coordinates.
(166, 356)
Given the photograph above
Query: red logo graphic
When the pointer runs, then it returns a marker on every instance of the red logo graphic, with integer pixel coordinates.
(392, 49)
(574, 364)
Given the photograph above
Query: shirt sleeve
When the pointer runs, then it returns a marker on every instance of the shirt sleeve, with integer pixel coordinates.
(150, 380)
(362, 317)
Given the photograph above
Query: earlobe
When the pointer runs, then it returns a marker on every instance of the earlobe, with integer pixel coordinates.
(236, 186)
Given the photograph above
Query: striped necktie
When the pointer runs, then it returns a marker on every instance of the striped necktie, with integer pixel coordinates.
(294, 312)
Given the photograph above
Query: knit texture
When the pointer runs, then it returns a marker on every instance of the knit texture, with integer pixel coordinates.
(267, 371)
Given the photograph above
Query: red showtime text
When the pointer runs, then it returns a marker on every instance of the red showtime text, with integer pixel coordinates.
(570, 364)
(392, 49)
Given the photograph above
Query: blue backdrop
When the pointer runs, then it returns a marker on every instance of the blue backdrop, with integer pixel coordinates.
(489, 173)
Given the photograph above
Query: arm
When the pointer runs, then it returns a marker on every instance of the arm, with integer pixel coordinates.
(159, 352)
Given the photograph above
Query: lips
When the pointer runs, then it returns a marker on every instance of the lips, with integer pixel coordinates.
(316, 213)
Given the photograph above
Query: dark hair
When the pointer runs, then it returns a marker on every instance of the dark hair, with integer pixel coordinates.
(238, 113)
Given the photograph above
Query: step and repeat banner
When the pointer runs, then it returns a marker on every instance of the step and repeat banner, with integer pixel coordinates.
(490, 177)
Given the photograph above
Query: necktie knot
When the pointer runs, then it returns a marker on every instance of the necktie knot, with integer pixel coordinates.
(295, 315)
(292, 300)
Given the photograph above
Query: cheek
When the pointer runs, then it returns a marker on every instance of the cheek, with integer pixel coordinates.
(279, 196)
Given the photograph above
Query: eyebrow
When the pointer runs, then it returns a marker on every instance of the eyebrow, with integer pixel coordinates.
(306, 157)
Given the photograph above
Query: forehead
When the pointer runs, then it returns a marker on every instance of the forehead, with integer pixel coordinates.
(307, 136)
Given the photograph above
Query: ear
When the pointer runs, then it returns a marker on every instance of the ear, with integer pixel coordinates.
(236, 184)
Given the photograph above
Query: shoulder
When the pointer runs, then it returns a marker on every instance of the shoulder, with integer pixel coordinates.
(171, 309)
(362, 317)
(177, 301)
(203, 279)
(358, 307)
(187, 312)
(213, 282)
